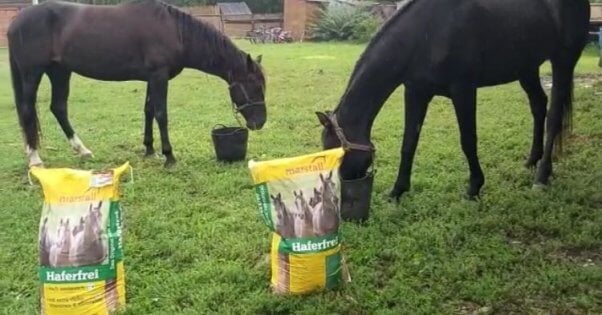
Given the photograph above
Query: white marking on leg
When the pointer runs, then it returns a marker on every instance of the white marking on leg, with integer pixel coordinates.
(33, 157)
(79, 147)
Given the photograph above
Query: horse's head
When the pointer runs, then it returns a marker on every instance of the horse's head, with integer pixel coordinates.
(328, 185)
(283, 216)
(64, 235)
(247, 92)
(317, 195)
(300, 201)
(279, 207)
(357, 158)
(95, 218)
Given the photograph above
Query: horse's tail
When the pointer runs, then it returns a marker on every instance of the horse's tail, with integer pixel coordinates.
(567, 117)
(17, 84)
(564, 88)
(17, 81)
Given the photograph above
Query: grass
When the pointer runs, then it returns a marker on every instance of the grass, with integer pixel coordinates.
(194, 241)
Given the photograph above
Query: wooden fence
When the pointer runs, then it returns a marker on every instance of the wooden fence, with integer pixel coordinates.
(235, 25)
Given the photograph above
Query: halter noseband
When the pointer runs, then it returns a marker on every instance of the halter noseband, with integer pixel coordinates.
(346, 144)
(248, 102)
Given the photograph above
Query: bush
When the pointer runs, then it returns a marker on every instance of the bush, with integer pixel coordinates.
(343, 23)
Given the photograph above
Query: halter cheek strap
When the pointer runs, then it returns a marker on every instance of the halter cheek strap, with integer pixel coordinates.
(347, 145)
(248, 103)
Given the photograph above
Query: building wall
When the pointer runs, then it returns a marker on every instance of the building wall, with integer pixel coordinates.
(7, 14)
(299, 16)
(294, 18)
(596, 12)
(312, 15)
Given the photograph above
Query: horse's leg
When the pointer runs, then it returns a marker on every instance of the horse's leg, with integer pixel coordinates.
(149, 114)
(416, 104)
(158, 97)
(560, 112)
(60, 78)
(464, 99)
(538, 102)
(28, 115)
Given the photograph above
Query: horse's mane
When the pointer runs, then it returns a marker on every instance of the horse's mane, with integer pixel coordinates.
(192, 30)
(379, 34)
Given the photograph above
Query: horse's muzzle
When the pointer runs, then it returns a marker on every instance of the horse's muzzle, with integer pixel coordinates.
(255, 125)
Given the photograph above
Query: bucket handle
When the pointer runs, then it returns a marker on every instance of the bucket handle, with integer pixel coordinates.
(224, 126)
(218, 125)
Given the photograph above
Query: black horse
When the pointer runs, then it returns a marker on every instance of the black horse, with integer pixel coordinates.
(145, 40)
(451, 48)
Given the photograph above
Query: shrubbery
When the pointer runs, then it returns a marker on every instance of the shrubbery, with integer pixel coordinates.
(344, 23)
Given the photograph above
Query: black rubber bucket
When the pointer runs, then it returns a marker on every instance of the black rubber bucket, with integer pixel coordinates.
(230, 143)
(356, 196)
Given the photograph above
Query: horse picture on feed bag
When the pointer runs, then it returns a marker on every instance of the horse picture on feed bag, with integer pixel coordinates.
(66, 241)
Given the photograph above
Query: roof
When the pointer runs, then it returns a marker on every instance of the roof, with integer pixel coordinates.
(234, 8)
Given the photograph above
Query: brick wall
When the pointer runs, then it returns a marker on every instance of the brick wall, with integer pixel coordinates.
(299, 15)
(294, 17)
(6, 16)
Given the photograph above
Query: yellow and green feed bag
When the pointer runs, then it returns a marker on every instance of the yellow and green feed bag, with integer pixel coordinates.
(80, 247)
(299, 200)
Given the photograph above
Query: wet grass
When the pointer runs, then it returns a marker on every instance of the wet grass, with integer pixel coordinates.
(195, 244)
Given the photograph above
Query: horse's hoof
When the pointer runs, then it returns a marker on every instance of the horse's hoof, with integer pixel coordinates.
(170, 163)
(470, 197)
(394, 197)
(86, 154)
(530, 164)
(149, 153)
(539, 187)
(36, 164)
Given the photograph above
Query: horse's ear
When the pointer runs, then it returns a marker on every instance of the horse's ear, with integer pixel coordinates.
(250, 62)
(324, 119)
(321, 177)
(330, 175)
(259, 58)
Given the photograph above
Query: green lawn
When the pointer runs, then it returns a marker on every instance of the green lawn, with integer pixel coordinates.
(195, 243)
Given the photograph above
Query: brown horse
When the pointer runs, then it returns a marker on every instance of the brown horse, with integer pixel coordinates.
(45, 244)
(286, 229)
(144, 40)
(87, 247)
(317, 198)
